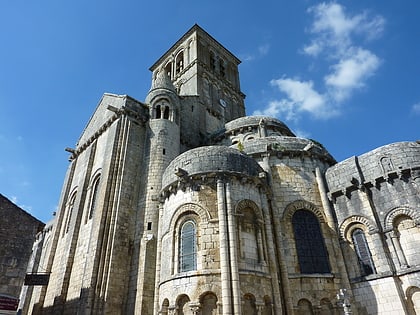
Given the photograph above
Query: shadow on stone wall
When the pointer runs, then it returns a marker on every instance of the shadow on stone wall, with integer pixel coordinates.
(71, 307)
(363, 301)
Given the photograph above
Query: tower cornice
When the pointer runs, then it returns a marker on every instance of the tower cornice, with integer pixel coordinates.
(194, 29)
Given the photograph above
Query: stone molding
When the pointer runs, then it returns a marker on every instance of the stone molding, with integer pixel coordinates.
(292, 207)
(401, 210)
(105, 126)
(356, 219)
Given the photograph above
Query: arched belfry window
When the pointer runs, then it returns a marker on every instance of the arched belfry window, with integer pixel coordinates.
(158, 112)
(188, 246)
(179, 62)
(166, 113)
(168, 69)
(162, 110)
(212, 61)
(363, 253)
(222, 67)
(310, 246)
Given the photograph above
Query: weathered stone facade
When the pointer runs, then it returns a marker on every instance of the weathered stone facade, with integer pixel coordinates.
(18, 231)
(183, 205)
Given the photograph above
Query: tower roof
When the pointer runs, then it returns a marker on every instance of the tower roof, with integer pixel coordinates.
(162, 81)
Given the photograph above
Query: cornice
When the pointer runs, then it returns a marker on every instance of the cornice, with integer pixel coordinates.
(118, 113)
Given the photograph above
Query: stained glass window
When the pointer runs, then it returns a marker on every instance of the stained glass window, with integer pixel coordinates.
(363, 252)
(188, 245)
(310, 247)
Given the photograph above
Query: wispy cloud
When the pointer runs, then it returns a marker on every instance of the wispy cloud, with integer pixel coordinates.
(261, 51)
(416, 108)
(333, 38)
(15, 200)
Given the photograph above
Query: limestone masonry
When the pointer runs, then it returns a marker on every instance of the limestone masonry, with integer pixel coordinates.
(183, 205)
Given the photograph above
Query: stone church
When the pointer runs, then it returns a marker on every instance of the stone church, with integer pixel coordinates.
(181, 204)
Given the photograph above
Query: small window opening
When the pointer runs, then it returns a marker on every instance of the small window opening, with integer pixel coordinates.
(179, 63)
(168, 70)
(222, 68)
(166, 113)
(158, 111)
(163, 151)
(149, 226)
(212, 62)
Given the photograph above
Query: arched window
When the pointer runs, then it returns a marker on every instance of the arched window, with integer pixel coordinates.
(165, 306)
(166, 113)
(326, 307)
(408, 234)
(94, 197)
(268, 306)
(182, 305)
(158, 112)
(179, 62)
(249, 306)
(70, 207)
(304, 307)
(188, 247)
(310, 247)
(363, 253)
(249, 236)
(222, 68)
(212, 61)
(162, 110)
(168, 70)
(208, 304)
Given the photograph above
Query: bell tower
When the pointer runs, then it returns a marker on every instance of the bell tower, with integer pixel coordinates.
(206, 77)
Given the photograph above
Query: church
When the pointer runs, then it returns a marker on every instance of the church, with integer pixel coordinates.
(183, 205)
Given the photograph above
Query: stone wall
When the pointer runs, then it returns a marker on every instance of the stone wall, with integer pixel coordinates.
(18, 230)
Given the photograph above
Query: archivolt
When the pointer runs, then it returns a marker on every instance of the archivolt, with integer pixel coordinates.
(203, 214)
(246, 203)
(404, 210)
(345, 225)
(291, 208)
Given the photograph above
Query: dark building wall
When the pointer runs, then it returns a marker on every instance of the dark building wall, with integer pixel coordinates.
(17, 235)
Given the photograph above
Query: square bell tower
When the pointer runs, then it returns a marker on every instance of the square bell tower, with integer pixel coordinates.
(206, 78)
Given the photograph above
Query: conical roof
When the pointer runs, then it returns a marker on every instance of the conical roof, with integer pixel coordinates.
(162, 81)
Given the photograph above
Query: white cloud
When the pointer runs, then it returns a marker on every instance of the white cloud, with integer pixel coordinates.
(351, 73)
(314, 49)
(416, 108)
(333, 28)
(333, 37)
(302, 94)
(301, 98)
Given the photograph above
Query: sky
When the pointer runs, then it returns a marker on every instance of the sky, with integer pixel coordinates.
(344, 73)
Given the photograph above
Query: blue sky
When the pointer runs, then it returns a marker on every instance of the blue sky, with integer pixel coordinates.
(343, 73)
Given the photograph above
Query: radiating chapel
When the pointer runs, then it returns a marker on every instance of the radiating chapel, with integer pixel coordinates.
(181, 204)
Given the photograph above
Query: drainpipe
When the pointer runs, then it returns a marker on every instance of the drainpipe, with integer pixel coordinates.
(224, 249)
